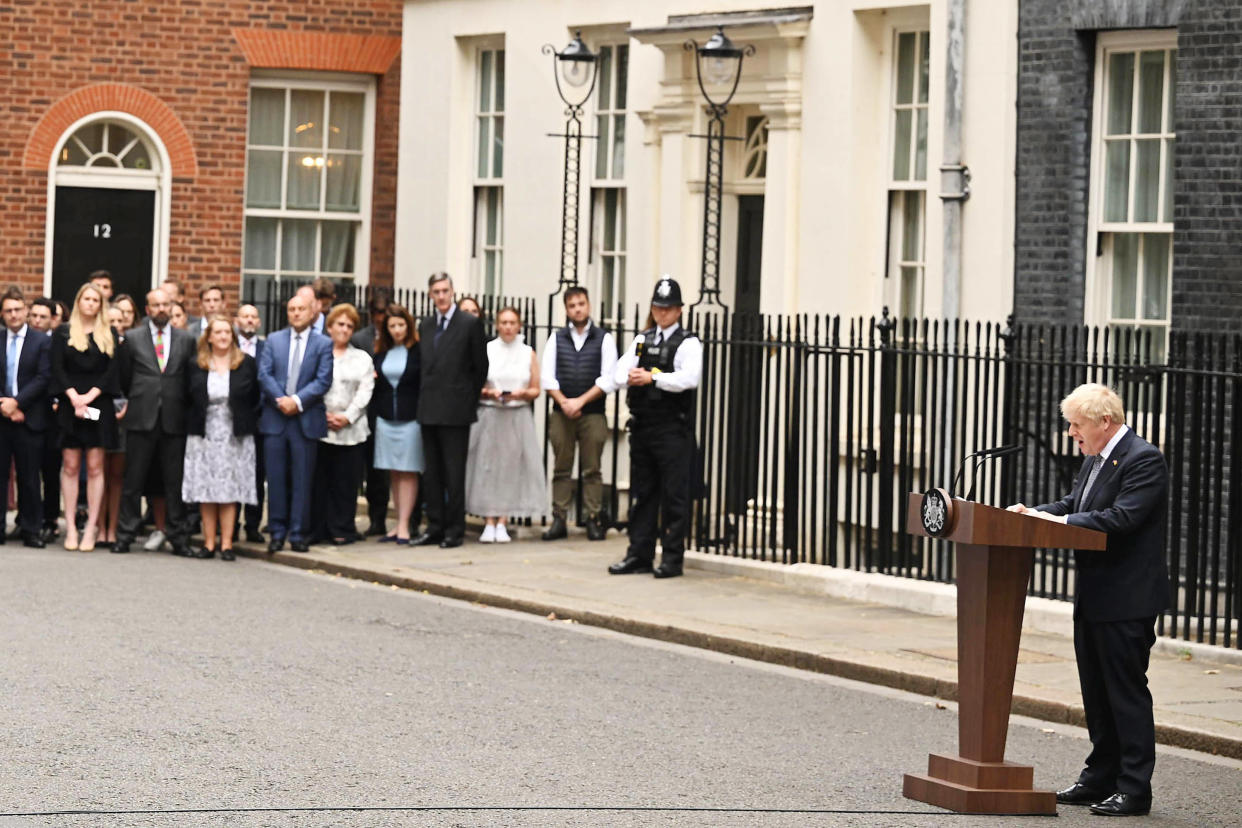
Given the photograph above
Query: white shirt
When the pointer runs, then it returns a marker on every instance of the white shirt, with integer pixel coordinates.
(508, 369)
(687, 363)
(11, 386)
(607, 359)
(164, 331)
(1112, 444)
(447, 316)
(248, 345)
(353, 382)
(294, 337)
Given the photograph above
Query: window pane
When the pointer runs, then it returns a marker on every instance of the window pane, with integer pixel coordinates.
(500, 81)
(305, 170)
(263, 178)
(1156, 275)
(610, 220)
(905, 68)
(260, 243)
(1168, 180)
(485, 138)
(344, 182)
(618, 147)
(901, 146)
(623, 72)
(1146, 179)
(1116, 179)
(911, 227)
(1151, 91)
(924, 37)
(485, 82)
(602, 145)
(298, 243)
(1120, 92)
(305, 118)
(92, 137)
(911, 292)
(920, 147)
(1170, 94)
(493, 216)
(1125, 274)
(346, 120)
(267, 116)
(337, 255)
(605, 77)
(607, 276)
(136, 158)
(621, 220)
(498, 147)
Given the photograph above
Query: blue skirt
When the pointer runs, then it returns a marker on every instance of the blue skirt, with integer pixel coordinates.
(398, 445)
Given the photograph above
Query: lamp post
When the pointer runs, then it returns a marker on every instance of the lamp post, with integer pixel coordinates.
(718, 65)
(574, 69)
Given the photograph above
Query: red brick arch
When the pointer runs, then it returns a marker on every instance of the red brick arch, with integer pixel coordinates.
(114, 97)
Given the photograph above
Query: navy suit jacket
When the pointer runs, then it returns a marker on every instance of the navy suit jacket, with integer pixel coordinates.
(1129, 501)
(34, 366)
(314, 380)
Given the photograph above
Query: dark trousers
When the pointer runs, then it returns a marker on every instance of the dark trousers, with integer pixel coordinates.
(144, 449)
(290, 460)
(51, 474)
(660, 460)
(253, 515)
(23, 448)
(338, 476)
(377, 483)
(444, 479)
(1112, 670)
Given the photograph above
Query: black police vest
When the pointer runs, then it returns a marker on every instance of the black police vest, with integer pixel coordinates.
(577, 370)
(647, 402)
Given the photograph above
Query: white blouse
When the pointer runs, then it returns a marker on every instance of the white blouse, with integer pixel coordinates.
(353, 381)
(508, 368)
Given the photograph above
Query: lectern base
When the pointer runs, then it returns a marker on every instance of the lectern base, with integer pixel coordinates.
(971, 787)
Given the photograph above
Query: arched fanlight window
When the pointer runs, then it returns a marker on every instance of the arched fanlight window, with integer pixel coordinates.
(755, 153)
(105, 144)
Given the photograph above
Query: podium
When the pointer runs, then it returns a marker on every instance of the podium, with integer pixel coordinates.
(995, 554)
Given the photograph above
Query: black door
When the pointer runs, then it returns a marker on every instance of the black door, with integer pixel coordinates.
(103, 229)
(748, 359)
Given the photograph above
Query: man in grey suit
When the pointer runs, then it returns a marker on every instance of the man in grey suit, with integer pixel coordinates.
(153, 363)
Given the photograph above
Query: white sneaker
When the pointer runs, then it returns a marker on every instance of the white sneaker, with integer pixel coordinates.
(489, 534)
(155, 541)
(502, 534)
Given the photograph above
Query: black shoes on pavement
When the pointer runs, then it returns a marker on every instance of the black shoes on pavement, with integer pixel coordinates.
(1101, 803)
(667, 571)
(451, 543)
(33, 540)
(630, 566)
(427, 539)
(1079, 794)
(299, 546)
(556, 531)
(596, 530)
(275, 545)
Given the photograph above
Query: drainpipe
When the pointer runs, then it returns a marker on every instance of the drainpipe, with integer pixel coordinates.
(954, 176)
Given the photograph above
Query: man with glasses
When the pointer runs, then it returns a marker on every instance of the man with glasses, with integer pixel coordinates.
(24, 413)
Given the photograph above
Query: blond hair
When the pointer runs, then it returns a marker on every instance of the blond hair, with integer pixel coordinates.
(102, 334)
(204, 345)
(1094, 402)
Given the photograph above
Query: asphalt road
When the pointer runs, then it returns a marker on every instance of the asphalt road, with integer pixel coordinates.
(155, 691)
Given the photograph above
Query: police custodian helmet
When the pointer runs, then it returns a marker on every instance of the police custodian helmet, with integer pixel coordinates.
(667, 293)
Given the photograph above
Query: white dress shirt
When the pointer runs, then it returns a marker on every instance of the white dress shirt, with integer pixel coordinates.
(11, 387)
(294, 338)
(249, 344)
(687, 363)
(607, 359)
(166, 332)
(353, 382)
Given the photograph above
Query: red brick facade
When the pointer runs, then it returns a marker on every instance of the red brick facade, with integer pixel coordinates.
(182, 67)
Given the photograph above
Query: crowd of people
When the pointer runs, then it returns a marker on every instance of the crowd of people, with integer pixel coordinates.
(120, 417)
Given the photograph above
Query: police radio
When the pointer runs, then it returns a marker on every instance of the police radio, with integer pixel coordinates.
(639, 343)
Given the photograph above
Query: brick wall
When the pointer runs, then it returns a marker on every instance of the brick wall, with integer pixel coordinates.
(183, 56)
(1055, 75)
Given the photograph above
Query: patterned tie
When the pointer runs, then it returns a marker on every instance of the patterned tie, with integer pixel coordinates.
(160, 356)
(1095, 471)
(295, 367)
(12, 364)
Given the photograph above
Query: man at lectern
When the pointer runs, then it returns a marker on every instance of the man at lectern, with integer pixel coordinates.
(1122, 490)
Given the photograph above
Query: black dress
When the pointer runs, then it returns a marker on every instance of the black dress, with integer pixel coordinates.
(82, 371)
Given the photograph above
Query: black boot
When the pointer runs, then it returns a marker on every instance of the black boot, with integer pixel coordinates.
(596, 530)
(557, 530)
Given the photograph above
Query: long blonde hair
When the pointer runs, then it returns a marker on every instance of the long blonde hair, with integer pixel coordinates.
(204, 345)
(103, 331)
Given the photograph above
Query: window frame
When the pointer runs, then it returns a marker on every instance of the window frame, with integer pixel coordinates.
(483, 186)
(611, 179)
(326, 82)
(897, 189)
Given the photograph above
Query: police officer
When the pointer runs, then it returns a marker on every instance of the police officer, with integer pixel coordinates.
(662, 369)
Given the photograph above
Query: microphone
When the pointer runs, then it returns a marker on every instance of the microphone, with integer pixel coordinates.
(983, 456)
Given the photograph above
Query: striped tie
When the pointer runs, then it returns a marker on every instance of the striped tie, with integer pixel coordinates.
(1095, 472)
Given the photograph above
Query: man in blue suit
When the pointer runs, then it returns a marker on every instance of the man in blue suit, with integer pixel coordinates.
(295, 371)
(24, 413)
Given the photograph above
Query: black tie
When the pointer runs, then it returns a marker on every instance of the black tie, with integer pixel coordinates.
(659, 338)
(441, 326)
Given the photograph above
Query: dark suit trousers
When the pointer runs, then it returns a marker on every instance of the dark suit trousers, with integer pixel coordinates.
(660, 462)
(143, 449)
(1112, 670)
(23, 448)
(338, 477)
(254, 514)
(51, 473)
(377, 483)
(290, 462)
(444, 480)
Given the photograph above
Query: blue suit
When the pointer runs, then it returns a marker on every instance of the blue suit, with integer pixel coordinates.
(289, 442)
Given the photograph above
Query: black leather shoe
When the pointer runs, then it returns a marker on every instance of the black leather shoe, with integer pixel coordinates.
(629, 566)
(32, 540)
(182, 550)
(596, 530)
(1123, 804)
(120, 547)
(427, 539)
(275, 545)
(299, 546)
(556, 531)
(253, 536)
(450, 543)
(200, 552)
(48, 534)
(376, 529)
(667, 571)
(1079, 794)
(227, 554)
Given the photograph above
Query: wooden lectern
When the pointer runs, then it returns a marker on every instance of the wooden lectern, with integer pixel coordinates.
(995, 554)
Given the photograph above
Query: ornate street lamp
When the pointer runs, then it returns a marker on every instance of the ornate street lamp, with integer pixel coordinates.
(574, 69)
(718, 66)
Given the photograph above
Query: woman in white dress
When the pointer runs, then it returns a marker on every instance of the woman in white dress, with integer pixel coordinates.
(504, 474)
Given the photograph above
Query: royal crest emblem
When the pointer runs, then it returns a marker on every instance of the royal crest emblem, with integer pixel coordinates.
(937, 513)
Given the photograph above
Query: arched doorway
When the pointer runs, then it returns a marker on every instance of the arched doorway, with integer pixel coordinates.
(107, 206)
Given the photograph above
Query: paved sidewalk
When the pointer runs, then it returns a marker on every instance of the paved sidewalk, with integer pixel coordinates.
(756, 615)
